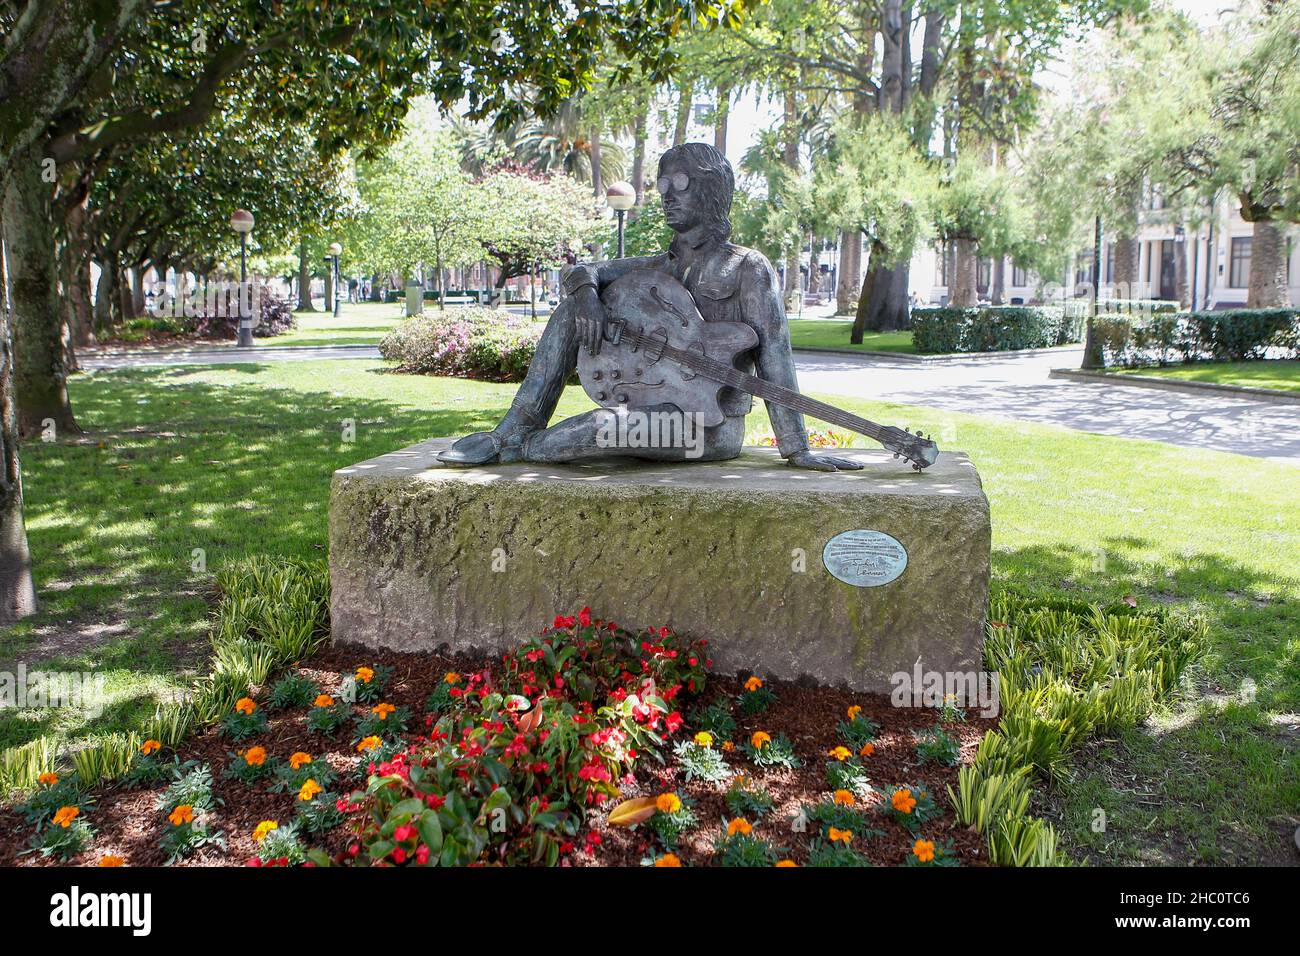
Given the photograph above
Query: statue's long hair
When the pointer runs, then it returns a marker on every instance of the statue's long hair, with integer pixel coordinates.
(716, 179)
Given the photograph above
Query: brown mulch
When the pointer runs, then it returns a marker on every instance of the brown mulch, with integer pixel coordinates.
(128, 823)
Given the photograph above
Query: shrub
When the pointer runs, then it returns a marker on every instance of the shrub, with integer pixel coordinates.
(470, 343)
(992, 328)
(1229, 335)
(275, 317)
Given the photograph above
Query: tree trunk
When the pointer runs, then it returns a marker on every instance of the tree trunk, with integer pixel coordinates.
(304, 278)
(883, 305)
(638, 151)
(74, 277)
(597, 183)
(790, 155)
(17, 593)
(40, 372)
(998, 285)
(1267, 267)
(849, 272)
(962, 294)
(1124, 269)
(720, 114)
(685, 94)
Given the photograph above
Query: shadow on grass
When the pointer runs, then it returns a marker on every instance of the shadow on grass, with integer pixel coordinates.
(173, 479)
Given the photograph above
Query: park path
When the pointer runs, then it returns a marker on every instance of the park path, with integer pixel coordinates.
(1016, 388)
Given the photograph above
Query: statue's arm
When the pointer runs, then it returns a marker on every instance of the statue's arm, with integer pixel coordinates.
(600, 274)
(761, 304)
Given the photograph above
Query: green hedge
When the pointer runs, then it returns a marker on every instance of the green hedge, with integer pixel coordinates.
(465, 342)
(993, 328)
(1229, 335)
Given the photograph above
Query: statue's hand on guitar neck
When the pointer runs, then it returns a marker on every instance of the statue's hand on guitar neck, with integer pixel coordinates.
(590, 319)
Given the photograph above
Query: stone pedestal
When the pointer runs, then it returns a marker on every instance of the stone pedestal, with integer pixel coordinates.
(424, 555)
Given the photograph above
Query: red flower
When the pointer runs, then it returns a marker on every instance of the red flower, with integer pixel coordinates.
(673, 722)
(433, 801)
(399, 855)
(584, 617)
(422, 854)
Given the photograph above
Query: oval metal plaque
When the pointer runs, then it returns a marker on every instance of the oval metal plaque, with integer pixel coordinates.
(864, 559)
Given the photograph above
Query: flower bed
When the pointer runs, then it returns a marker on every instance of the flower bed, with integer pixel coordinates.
(529, 759)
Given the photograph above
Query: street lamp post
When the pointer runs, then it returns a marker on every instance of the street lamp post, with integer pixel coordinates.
(620, 197)
(336, 250)
(241, 220)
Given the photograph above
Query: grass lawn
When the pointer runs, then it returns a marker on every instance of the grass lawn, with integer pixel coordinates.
(834, 334)
(363, 323)
(1281, 375)
(191, 466)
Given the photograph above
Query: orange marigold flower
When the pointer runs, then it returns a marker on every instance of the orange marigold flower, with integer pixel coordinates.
(451, 677)
(365, 675)
(184, 813)
(845, 798)
(382, 710)
(739, 825)
(786, 863)
(65, 815)
(903, 800)
(255, 756)
(309, 790)
(923, 850)
(867, 750)
(263, 828)
(324, 700)
(759, 739)
(668, 802)
(854, 711)
(841, 836)
(299, 759)
(49, 779)
(839, 753)
(245, 705)
(149, 746)
(368, 743)
(668, 859)
(753, 684)
(109, 859)
(704, 738)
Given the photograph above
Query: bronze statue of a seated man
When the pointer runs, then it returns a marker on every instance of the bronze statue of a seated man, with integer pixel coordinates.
(727, 282)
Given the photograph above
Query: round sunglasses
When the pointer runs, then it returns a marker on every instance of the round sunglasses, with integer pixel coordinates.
(678, 181)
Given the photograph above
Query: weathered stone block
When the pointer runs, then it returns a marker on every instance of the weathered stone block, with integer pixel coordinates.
(424, 555)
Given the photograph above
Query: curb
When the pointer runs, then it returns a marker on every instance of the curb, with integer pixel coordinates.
(1147, 381)
(946, 357)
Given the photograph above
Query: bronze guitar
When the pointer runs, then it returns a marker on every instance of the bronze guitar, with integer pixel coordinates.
(659, 350)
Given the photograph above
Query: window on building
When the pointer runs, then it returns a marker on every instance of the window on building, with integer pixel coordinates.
(1019, 276)
(1239, 259)
(983, 275)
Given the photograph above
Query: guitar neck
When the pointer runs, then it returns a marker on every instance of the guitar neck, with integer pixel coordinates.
(726, 374)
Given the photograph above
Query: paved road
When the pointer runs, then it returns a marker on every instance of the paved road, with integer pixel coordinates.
(1012, 388)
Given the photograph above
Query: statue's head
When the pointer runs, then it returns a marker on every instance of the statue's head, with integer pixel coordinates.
(696, 183)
